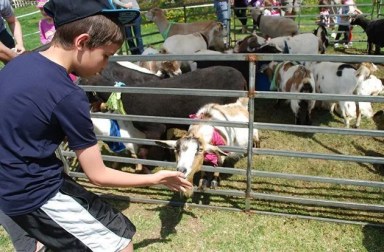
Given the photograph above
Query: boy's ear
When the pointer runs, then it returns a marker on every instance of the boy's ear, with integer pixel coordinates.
(81, 40)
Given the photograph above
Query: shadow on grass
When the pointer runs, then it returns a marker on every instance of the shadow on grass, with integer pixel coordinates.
(373, 238)
(170, 216)
(376, 168)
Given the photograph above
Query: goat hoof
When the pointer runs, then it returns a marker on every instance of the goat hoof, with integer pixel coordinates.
(214, 184)
(203, 184)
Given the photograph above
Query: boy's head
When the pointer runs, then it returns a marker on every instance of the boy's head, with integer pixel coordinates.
(67, 11)
(98, 18)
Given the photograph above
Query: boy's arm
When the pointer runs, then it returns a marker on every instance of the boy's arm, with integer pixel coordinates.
(93, 166)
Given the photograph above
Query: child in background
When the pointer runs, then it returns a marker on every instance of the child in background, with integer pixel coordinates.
(46, 25)
(345, 28)
(272, 8)
(47, 28)
(324, 16)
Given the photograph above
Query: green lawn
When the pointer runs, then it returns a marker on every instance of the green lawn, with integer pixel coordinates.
(167, 228)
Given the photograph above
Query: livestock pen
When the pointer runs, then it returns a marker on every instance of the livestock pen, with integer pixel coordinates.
(264, 182)
(338, 180)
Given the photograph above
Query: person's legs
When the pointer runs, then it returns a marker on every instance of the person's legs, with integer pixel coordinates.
(221, 7)
(77, 219)
(129, 37)
(287, 7)
(7, 39)
(20, 239)
(139, 40)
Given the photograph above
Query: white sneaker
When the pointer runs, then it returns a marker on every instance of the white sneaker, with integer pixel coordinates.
(346, 46)
(336, 45)
(350, 44)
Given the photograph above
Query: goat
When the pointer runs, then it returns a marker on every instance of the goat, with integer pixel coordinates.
(378, 118)
(210, 38)
(163, 68)
(373, 29)
(107, 127)
(305, 43)
(200, 144)
(290, 77)
(168, 29)
(274, 26)
(322, 33)
(338, 78)
(368, 85)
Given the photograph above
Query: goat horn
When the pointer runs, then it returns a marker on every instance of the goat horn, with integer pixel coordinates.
(169, 144)
(216, 149)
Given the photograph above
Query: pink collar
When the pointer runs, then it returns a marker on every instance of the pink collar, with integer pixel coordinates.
(217, 139)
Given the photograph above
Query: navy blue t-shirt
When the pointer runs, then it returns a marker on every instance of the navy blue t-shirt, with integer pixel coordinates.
(39, 106)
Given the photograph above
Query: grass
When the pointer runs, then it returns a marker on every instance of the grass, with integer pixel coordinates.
(169, 228)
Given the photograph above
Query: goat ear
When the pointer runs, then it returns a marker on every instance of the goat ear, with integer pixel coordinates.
(169, 144)
(215, 149)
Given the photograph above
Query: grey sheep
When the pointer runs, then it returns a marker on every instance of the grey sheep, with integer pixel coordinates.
(274, 26)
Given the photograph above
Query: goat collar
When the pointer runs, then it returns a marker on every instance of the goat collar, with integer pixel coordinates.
(258, 20)
(273, 86)
(217, 139)
(114, 101)
(165, 33)
(205, 39)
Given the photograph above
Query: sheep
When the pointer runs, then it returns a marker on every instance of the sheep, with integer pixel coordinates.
(274, 26)
(373, 29)
(168, 29)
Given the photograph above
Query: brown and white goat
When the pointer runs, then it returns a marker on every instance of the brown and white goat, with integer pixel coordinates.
(200, 144)
(292, 77)
(162, 68)
(168, 29)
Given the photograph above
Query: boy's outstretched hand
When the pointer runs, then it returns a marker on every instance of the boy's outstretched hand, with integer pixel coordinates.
(174, 180)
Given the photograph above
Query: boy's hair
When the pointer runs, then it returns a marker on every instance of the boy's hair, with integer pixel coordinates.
(102, 30)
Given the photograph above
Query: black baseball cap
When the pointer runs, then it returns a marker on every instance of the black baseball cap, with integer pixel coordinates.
(66, 11)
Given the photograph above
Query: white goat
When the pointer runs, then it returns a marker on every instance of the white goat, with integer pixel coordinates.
(201, 142)
(336, 78)
(125, 129)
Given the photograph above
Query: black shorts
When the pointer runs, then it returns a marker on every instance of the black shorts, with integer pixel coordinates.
(7, 39)
(78, 220)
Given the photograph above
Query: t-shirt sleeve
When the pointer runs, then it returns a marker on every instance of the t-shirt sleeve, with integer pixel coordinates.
(7, 10)
(73, 115)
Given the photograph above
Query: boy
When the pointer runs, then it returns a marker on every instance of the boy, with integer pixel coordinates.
(39, 106)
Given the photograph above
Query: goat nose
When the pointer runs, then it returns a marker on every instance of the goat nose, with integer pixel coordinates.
(182, 169)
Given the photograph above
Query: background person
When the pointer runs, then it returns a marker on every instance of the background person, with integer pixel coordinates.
(345, 29)
(7, 15)
(240, 9)
(133, 31)
(290, 8)
(46, 25)
(222, 12)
